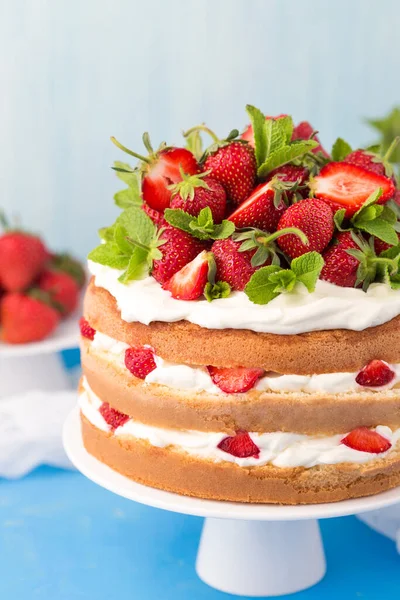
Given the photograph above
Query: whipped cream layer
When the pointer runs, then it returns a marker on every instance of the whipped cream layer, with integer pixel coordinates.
(277, 448)
(329, 307)
(197, 379)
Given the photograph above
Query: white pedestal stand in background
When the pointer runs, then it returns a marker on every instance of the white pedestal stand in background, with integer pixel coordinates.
(245, 549)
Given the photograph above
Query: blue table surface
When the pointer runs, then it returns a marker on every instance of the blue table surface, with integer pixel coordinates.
(64, 538)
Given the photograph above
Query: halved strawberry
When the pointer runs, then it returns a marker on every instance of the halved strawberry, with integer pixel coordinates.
(189, 282)
(86, 330)
(375, 374)
(112, 417)
(366, 440)
(240, 445)
(348, 186)
(259, 210)
(140, 361)
(235, 380)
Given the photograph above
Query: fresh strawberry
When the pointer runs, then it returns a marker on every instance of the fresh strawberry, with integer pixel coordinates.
(233, 266)
(71, 266)
(240, 445)
(235, 380)
(196, 192)
(340, 267)
(343, 185)
(304, 131)
(366, 160)
(248, 133)
(26, 318)
(155, 216)
(375, 374)
(315, 219)
(22, 257)
(189, 282)
(112, 417)
(179, 248)
(140, 361)
(291, 174)
(85, 329)
(366, 440)
(161, 169)
(380, 246)
(63, 290)
(396, 197)
(259, 210)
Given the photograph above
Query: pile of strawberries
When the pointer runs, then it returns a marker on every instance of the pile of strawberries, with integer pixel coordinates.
(37, 288)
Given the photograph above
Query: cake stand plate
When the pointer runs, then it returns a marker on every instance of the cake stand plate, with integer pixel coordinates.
(245, 549)
(37, 366)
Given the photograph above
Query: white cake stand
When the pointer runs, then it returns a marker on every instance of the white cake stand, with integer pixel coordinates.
(245, 549)
(37, 366)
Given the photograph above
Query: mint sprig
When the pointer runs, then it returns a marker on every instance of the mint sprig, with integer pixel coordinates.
(131, 196)
(269, 282)
(340, 150)
(202, 226)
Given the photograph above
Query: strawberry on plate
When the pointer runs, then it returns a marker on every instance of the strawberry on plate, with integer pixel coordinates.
(344, 185)
(190, 281)
(233, 266)
(235, 380)
(62, 288)
(22, 257)
(27, 318)
(140, 361)
(196, 192)
(86, 330)
(376, 373)
(312, 216)
(112, 417)
(240, 445)
(366, 440)
(179, 248)
(259, 209)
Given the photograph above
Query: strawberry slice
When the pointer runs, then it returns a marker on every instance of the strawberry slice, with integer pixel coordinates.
(259, 210)
(375, 374)
(189, 282)
(236, 380)
(343, 185)
(240, 445)
(366, 440)
(86, 330)
(140, 361)
(112, 417)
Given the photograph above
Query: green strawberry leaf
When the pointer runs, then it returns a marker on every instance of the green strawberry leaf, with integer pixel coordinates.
(221, 289)
(307, 269)
(286, 154)
(340, 150)
(202, 226)
(260, 290)
(194, 143)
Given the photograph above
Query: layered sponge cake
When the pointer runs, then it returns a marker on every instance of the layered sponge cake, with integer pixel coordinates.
(240, 331)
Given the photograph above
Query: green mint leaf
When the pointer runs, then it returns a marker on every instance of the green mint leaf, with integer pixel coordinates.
(278, 134)
(121, 240)
(138, 267)
(221, 289)
(338, 219)
(127, 198)
(128, 175)
(260, 290)
(374, 197)
(109, 255)
(259, 130)
(340, 150)
(380, 229)
(394, 281)
(389, 215)
(285, 155)
(307, 269)
(139, 227)
(202, 226)
(178, 218)
(223, 230)
(392, 252)
(107, 233)
(284, 281)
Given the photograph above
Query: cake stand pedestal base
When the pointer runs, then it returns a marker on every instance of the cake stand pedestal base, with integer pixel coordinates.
(260, 558)
(245, 549)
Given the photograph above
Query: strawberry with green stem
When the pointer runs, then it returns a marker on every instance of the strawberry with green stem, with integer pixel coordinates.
(195, 192)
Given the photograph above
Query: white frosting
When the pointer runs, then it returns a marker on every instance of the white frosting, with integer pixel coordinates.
(278, 448)
(329, 307)
(197, 379)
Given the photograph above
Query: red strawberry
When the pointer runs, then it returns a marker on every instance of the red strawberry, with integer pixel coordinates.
(340, 267)
(161, 169)
(248, 133)
(233, 266)
(26, 318)
(315, 219)
(155, 216)
(235, 380)
(196, 192)
(22, 257)
(140, 361)
(259, 210)
(366, 160)
(85, 329)
(291, 174)
(112, 417)
(62, 288)
(380, 246)
(366, 440)
(179, 249)
(189, 282)
(343, 185)
(396, 197)
(375, 374)
(304, 131)
(240, 445)
(67, 264)
(234, 166)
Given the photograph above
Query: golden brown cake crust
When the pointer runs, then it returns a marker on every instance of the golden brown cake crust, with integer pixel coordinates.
(333, 351)
(161, 406)
(176, 471)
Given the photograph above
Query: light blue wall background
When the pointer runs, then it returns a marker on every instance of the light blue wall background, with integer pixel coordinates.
(73, 72)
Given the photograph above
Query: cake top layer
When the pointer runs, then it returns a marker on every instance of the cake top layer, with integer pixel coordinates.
(265, 231)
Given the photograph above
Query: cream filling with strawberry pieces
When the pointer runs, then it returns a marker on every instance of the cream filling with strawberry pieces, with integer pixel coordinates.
(197, 379)
(328, 307)
(277, 448)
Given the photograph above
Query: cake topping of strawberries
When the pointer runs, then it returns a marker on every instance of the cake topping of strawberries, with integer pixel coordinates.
(233, 265)
(235, 380)
(240, 445)
(376, 373)
(259, 210)
(196, 192)
(366, 440)
(112, 417)
(86, 330)
(190, 281)
(140, 361)
(177, 250)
